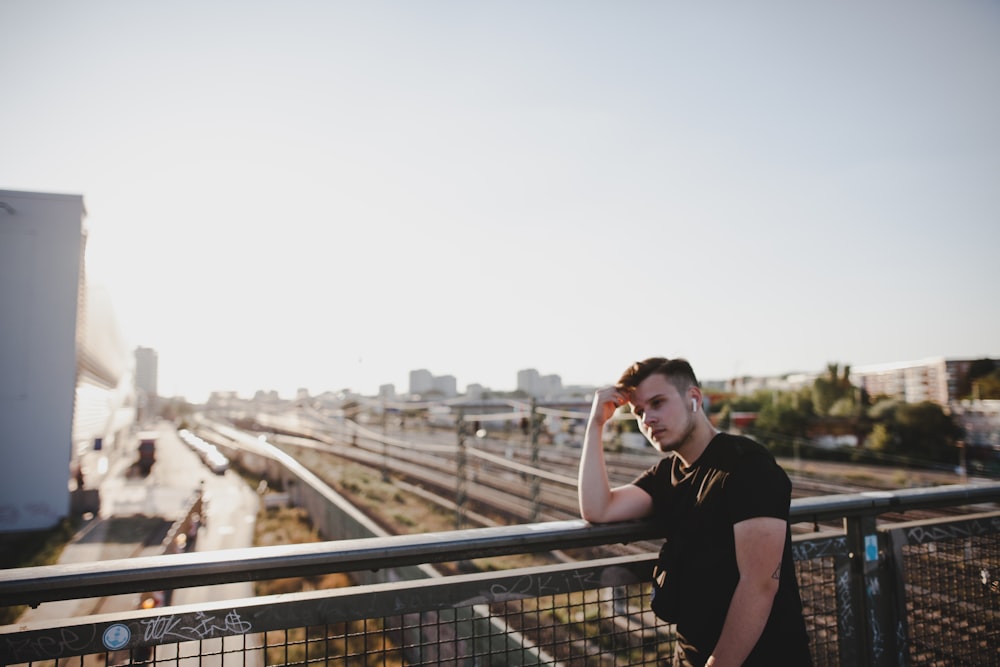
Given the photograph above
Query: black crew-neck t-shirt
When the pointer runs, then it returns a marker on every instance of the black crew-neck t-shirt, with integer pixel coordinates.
(734, 479)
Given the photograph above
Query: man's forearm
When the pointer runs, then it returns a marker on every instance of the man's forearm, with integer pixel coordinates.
(748, 611)
(592, 483)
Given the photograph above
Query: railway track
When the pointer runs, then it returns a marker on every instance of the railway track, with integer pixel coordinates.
(509, 481)
(506, 479)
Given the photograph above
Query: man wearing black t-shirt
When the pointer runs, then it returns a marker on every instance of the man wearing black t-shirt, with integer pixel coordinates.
(725, 574)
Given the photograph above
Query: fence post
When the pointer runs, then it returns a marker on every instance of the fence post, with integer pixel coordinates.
(873, 638)
(460, 473)
(385, 443)
(536, 481)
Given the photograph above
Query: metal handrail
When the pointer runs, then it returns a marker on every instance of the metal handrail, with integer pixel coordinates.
(824, 508)
(82, 580)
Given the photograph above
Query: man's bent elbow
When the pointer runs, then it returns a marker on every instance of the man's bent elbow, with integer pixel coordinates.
(592, 514)
(606, 514)
(625, 503)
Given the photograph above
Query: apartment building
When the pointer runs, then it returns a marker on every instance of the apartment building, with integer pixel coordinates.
(938, 380)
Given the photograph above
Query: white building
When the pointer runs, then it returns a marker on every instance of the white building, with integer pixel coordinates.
(527, 381)
(446, 385)
(749, 385)
(66, 391)
(421, 381)
(540, 386)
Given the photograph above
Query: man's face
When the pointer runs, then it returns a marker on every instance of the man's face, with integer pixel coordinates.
(664, 414)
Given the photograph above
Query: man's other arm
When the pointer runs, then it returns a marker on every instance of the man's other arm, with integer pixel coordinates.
(760, 543)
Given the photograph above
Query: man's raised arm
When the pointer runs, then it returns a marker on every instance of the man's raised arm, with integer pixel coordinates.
(599, 503)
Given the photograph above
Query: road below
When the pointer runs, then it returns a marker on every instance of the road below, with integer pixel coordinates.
(137, 511)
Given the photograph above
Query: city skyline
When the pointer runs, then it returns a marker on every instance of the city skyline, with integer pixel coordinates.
(328, 195)
(796, 378)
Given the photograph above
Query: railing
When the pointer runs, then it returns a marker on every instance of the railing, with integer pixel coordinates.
(918, 593)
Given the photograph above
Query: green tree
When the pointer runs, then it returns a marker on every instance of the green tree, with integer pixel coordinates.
(752, 403)
(884, 409)
(882, 439)
(843, 407)
(919, 431)
(978, 370)
(828, 389)
(925, 428)
(783, 419)
(741, 403)
(724, 414)
(987, 387)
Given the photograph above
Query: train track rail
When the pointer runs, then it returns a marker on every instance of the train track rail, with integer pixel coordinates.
(506, 480)
(509, 481)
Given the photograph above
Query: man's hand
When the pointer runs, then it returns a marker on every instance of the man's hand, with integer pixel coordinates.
(606, 401)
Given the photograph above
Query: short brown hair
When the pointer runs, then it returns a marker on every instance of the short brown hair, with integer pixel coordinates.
(677, 371)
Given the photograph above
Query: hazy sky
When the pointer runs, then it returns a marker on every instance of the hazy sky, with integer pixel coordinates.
(330, 194)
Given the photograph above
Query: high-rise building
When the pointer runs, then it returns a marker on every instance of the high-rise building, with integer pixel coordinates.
(539, 386)
(146, 369)
(527, 381)
(446, 385)
(421, 381)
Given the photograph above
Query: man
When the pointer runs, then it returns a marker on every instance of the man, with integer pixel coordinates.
(725, 574)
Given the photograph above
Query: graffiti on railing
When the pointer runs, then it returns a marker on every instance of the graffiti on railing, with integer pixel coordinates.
(821, 548)
(81, 639)
(540, 584)
(64, 641)
(204, 626)
(873, 590)
(901, 639)
(953, 531)
(845, 609)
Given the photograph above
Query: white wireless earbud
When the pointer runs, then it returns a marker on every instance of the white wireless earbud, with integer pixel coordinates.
(694, 405)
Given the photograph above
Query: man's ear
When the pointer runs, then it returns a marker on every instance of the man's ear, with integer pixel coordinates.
(696, 399)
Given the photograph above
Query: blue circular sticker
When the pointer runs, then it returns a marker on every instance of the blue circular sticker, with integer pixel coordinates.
(116, 636)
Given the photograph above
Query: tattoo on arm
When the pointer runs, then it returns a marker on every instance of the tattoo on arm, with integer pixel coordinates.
(777, 572)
